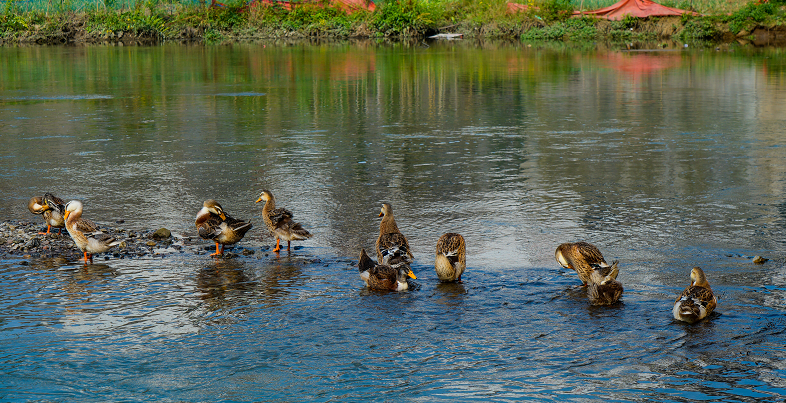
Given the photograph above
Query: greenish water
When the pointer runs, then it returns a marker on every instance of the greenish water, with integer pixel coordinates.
(665, 160)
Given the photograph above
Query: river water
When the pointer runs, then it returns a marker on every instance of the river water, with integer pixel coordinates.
(665, 160)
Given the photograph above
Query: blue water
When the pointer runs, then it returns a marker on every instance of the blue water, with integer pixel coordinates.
(517, 149)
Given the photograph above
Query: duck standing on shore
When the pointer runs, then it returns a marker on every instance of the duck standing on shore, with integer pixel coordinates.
(279, 222)
(214, 224)
(85, 233)
(52, 208)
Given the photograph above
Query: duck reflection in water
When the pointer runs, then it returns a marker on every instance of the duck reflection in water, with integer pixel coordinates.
(78, 281)
(217, 284)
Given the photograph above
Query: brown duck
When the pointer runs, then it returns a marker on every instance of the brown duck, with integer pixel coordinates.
(85, 233)
(604, 289)
(214, 224)
(580, 256)
(697, 301)
(279, 222)
(391, 243)
(450, 260)
(382, 276)
(52, 208)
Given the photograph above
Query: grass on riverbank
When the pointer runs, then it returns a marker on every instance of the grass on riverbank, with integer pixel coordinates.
(52, 21)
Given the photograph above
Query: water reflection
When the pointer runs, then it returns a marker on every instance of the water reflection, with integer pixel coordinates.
(664, 160)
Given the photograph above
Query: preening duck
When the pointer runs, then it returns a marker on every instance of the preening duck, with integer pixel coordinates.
(382, 276)
(214, 224)
(580, 256)
(604, 289)
(450, 260)
(391, 243)
(85, 233)
(279, 222)
(52, 208)
(697, 301)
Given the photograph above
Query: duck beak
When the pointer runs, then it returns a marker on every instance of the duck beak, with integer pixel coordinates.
(381, 214)
(223, 216)
(67, 213)
(411, 275)
(258, 200)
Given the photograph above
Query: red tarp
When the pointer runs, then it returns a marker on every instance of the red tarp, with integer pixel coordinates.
(618, 11)
(634, 8)
(346, 5)
(517, 8)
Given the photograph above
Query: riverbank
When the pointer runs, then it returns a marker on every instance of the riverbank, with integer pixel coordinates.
(752, 23)
(23, 240)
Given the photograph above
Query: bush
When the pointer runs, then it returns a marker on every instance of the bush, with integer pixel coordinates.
(555, 10)
(402, 18)
(750, 15)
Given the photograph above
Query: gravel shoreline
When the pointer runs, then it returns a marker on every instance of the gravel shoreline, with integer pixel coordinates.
(23, 240)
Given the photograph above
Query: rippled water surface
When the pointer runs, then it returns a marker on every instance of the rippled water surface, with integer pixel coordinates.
(665, 160)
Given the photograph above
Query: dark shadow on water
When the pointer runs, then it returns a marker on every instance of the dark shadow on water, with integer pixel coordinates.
(215, 283)
(450, 294)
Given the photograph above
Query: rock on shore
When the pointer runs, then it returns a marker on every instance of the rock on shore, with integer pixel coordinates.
(22, 240)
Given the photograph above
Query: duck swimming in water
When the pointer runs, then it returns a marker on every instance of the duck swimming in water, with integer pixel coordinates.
(450, 260)
(697, 301)
(580, 256)
(391, 277)
(391, 243)
(603, 288)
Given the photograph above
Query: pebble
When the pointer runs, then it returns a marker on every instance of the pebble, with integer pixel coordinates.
(22, 238)
(162, 233)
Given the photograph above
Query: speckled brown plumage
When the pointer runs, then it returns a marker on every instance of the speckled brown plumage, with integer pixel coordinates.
(391, 243)
(580, 256)
(603, 288)
(86, 234)
(279, 222)
(214, 224)
(52, 208)
(382, 276)
(450, 260)
(697, 301)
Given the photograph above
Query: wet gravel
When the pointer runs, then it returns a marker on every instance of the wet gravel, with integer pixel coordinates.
(24, 240)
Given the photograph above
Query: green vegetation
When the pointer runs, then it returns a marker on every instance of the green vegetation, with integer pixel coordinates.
(58, 21)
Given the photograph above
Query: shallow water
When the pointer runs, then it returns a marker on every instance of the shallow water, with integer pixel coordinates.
(665, 160)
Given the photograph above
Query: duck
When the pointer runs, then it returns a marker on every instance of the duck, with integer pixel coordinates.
(450, 260)
(604, 289)
(279, 222)
(85, 233)
(391, 243)
(697, 301)
(580, 256)
(214, 224)
(382, 276)
(52, 208)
